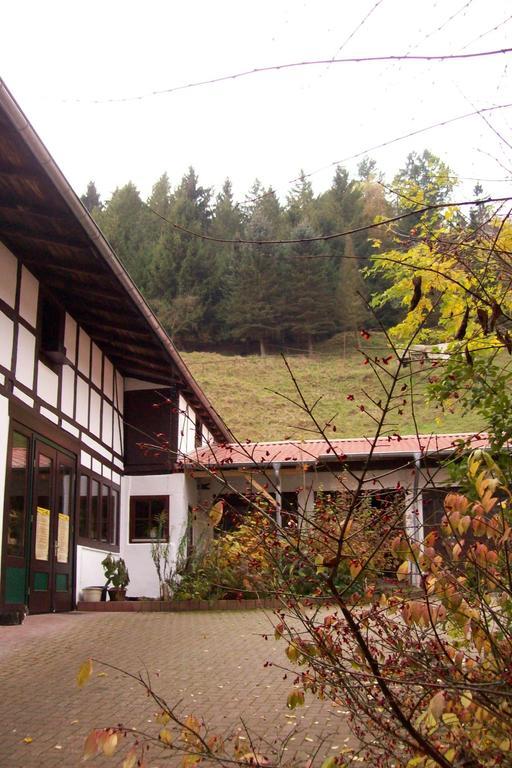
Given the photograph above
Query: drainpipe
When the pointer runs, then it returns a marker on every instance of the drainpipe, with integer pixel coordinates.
(276, 465)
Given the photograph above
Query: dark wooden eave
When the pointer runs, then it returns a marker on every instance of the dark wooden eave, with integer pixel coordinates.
(44, 224)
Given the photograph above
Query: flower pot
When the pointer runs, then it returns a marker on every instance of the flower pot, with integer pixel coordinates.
(117, 593)
(92, 594)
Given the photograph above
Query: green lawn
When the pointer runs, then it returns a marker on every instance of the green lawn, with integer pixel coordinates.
(250, 393)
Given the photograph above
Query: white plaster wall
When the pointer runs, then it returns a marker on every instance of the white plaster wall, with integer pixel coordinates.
(206, 436)
(95, 413)
(25, 357)
(118, 434)
(29, 291)
(6, 339)
(84, 352)
(119, 392)
(4, 431)
(106, 432)
(68, 391)
(89, 571)
(96, 366)
(108, 379)
(70, 328)
(181, 492)
(186, 426)
(82, 402)
(47, 384)
(8, 270)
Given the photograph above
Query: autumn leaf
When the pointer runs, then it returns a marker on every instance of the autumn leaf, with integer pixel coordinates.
(165, 736)
(28, 740)
(130, 761)
(84, 673)
(216, 512)
(109, 744)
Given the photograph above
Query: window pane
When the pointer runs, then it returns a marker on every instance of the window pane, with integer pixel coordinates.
(95, 508)
(65, 489)
(17, 514)
(83, 527)
(146, 518)
(114, 500)
(142, 527)
(104, 513)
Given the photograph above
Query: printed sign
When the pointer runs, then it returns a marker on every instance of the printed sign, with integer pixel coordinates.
(63, 539)
(42, 533)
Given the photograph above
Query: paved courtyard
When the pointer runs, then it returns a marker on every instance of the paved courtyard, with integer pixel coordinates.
(213, 662)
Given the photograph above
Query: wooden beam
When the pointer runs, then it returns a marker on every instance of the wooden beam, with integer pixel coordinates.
(68, 270)
(156, 378)
(11, 172)
(42, 212)
(91, 291)
(110, 342)
(17, 230)
(122, 328)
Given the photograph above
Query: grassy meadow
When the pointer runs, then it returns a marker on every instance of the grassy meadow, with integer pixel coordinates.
(253, 393)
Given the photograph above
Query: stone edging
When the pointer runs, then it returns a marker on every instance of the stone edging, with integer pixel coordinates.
(173, 606)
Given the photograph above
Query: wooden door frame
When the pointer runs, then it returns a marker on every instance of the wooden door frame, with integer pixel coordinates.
(37, 429)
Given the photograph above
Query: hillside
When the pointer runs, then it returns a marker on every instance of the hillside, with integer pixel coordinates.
(251, 393)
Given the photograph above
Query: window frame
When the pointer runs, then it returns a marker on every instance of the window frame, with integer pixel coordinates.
(111, 544)
(165, 499)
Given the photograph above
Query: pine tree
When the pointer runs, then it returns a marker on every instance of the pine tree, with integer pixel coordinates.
(309, 291)
(91, 199)
(351, 310)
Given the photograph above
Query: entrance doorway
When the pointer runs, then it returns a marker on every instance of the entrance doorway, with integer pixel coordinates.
(37, 563)
(53, 493)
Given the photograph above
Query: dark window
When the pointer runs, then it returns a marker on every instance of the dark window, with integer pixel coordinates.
(114, 506)
(17, 513)
(83, 524)
(289, 509)
(95, 508)
(105, 513)
(51, 343)
(98, 521)
(150, 423)
(149, 518)
(199, 432)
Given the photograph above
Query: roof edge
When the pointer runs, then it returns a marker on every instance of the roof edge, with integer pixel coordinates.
(36, 146)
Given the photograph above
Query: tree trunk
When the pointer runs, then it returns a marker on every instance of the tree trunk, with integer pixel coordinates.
(310, 345)
(263, 351)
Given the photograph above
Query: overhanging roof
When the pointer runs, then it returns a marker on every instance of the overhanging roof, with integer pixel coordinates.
(44, 223)
(310, 452)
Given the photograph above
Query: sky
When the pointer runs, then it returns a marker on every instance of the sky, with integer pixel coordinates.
(69, 66)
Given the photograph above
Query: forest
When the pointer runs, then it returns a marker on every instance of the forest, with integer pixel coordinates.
(259, 297)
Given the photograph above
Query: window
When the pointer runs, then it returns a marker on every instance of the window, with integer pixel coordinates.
(98, 513)
(198, 437)
(149, 517)
(17, 514)
(52, 331)
(289, 509)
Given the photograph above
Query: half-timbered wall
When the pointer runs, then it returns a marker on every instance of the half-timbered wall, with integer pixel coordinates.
(82, 397)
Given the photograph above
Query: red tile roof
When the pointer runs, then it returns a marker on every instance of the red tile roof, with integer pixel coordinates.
(311, 451)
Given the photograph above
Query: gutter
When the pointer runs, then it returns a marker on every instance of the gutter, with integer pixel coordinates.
(56, 176)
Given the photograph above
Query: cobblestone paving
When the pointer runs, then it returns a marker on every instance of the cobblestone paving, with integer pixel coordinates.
(211, 661)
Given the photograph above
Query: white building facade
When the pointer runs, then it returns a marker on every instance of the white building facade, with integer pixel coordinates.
(90, 388)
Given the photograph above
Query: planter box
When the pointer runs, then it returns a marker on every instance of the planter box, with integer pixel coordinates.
(172, 606)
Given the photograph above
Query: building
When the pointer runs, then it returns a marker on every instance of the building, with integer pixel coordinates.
(410, 469)
(86, 375)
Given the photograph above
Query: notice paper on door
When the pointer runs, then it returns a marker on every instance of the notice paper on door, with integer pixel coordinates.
(42, 533)
(63, 538)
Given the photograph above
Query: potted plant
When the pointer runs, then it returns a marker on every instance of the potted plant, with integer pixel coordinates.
(116, 573)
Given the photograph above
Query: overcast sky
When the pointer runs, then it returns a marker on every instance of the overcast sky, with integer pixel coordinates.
(58, 58)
